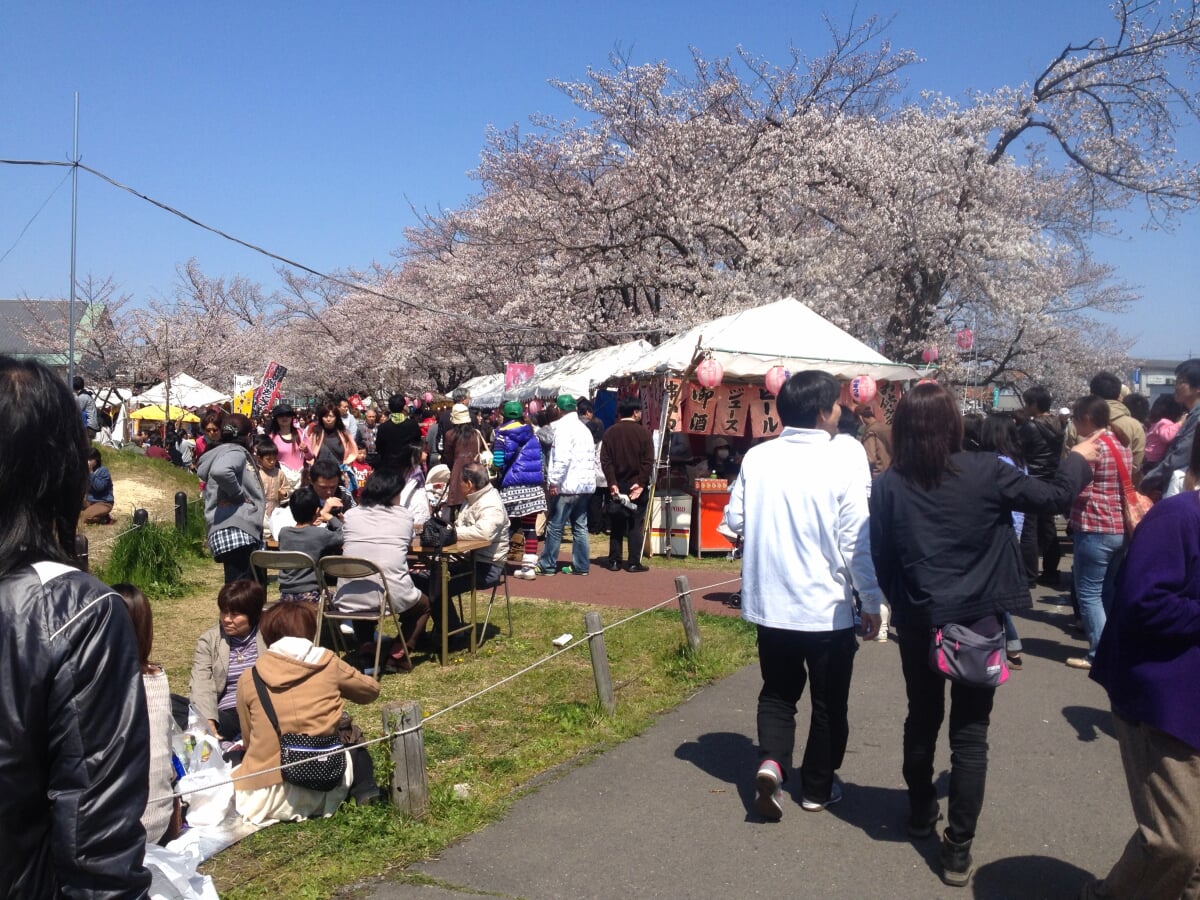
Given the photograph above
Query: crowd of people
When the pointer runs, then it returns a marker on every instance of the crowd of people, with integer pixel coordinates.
(939, 521)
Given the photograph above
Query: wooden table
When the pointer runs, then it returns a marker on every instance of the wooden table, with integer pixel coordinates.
(439, 559)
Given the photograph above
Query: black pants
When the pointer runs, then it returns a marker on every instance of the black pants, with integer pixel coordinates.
(363, 786)
(486, 575)
(970, 714)
(1047, 538)
(1029, 547)
(624, 522)
(825, 661)
(237, 563)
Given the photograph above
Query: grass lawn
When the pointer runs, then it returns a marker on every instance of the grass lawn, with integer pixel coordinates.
(494, 747)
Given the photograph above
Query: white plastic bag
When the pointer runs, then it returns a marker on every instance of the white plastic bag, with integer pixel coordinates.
(174, 876)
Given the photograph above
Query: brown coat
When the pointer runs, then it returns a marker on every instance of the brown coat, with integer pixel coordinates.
(877, 441)
(307, 697)
(456, 454)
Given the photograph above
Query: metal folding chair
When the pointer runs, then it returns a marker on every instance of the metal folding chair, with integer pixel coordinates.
(502, 583)
(265, 561)
(353, 568)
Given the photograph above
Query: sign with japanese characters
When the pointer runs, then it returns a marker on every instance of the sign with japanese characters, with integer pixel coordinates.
(732, 402)
(764, 420)
(699, 408)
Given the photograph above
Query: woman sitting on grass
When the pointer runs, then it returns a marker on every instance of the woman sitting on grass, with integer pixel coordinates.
(306, 686)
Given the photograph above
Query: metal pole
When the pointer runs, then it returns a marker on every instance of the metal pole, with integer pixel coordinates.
(74, 218)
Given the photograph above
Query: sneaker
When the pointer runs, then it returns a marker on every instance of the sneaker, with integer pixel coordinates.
(835, 794)
(529, 559)
(538, 570)
(1014, 661)
(571, 570)
(346, 628)
(769, 801)
(1079, 662)
(525, 572)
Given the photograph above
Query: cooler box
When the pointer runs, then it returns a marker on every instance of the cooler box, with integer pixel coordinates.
(670, 529)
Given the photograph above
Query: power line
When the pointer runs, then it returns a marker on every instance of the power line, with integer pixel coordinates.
(33, 217)
(487, 323)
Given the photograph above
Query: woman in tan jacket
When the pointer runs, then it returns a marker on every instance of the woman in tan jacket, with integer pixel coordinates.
(307, 686)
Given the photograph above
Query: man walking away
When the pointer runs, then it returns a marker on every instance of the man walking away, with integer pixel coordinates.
(627, 460)
(1041, 439)
(571, 481)
(800, 501)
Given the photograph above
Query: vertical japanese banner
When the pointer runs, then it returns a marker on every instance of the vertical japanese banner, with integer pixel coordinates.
(673, 389)
(268, 391)
(730, 414)
(764, 420)
(699, 409)
(654, 396)
(516, 374)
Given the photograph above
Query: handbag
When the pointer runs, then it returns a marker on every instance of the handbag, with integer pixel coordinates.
(966, 656)
(437, 534)
(485, 454)
(1134, 505)
(314, 762)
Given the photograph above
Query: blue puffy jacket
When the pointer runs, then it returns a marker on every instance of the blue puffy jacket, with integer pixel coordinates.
(522, 463)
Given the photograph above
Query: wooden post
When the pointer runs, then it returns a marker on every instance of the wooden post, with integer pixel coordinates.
(690, 628)
(181, 511)
(409, 790)
(604, 689)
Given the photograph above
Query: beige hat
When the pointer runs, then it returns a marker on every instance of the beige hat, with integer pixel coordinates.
(438, 475)
(459, 414)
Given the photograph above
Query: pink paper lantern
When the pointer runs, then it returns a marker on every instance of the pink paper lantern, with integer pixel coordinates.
(930, 354)
(534, 407)
(863, 389)
(428, 397)
(776, 376)
(965, 339)
(710, 373)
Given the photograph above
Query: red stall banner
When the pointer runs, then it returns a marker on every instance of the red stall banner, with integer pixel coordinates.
(699, 408)
(764, 420)
(516, 374)
(732, 402)
(266, 393)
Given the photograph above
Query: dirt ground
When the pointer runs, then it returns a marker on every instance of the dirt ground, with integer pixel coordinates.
(135, 492)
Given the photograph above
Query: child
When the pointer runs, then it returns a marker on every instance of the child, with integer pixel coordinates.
(275, 484)
(359, 471)
(306, 536)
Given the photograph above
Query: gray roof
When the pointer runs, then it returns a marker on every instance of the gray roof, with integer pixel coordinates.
(19, 317)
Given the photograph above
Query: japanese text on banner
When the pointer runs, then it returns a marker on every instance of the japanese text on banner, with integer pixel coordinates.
(730, 414)
(764, 420)
(699, 408)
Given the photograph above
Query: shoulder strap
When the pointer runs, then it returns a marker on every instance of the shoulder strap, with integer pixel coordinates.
(264, 695)
(1122, 469)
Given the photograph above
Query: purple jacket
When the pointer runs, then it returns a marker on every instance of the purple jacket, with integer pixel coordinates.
(1149, 655)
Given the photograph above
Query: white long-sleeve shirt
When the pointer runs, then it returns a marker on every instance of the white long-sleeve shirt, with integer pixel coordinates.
(572, 467)
(800, 502)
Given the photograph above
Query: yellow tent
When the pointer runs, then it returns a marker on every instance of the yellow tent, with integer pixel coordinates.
(156, 414)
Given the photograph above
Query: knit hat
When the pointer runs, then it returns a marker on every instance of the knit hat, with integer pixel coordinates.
(513, 410)
(459, 415)
(566, 403)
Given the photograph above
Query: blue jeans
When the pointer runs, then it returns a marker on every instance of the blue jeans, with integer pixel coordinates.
(1094, 553)
(573, 507)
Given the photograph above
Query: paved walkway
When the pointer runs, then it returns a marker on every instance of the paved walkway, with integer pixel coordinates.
(670, 814)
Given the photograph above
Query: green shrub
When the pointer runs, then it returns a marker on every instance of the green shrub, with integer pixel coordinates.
(149, 558)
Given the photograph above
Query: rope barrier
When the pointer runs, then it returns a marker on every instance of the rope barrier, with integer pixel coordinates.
(441, 712)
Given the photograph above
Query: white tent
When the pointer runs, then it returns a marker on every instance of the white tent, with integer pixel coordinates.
(485, 390)
(784, 333)
(186, 391)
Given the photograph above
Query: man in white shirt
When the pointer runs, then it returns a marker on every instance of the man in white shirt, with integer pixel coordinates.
(800, 502)
(570, 482)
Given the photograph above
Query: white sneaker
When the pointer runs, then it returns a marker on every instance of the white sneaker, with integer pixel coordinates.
(526, 572)
(769, 802)
(529, 559)
(835, 794)
(346, 628)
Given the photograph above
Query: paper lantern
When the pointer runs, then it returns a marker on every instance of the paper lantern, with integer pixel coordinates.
(776, 376)
(428, 397)
(930, 354)
(965, 339)
(710, 373)
(927, 381)
(534, 407)
(863, 389)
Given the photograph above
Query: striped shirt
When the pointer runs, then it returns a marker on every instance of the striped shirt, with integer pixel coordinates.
(243, 653)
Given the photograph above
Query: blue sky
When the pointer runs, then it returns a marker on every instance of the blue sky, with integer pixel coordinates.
(311, 128)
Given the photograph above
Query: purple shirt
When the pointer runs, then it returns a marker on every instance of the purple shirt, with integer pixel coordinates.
(1149, 655)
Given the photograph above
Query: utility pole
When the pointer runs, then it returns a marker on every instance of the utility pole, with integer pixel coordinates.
(74, 217)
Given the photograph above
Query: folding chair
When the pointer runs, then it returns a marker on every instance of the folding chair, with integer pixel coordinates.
(353, 568)
(265, 561)
(502, 583)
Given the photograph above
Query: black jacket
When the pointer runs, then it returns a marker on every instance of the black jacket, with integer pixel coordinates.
(74, 739)
(951, 554)
(1041, 445)
(394, 443)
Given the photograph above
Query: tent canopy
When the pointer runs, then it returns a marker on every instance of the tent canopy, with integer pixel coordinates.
(185, 391)
(157, 414)
(577, 374)
(784, 333)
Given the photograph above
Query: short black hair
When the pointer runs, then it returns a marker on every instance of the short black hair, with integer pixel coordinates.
(396, 403)
(628, 406)
(474, 473)
(94, 454)
(1094, 408)
(77, 382)
(583, 406)
(264, 446)
(805, 396)
(324, 467)
(1106, 385)
(304, 505)
(1039, 397)
(243, 597)
(382, 487)
(1189, 371)
(1138, 406)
